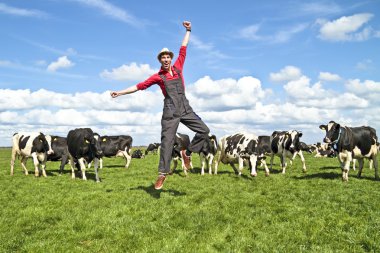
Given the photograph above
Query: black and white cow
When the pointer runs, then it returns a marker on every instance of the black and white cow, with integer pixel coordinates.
(238, 148)
(32, 145)
(207, 153)
(138, 154)
(181, 142)
(352, 142)
(83, 146)
(153, 148)
(118, 145)
(263, 149)
(61, 152)
(285, 144)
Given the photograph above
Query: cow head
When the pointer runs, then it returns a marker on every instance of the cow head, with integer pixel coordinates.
(292, 140)
(95, 145)
(41, 144)
(333, 131)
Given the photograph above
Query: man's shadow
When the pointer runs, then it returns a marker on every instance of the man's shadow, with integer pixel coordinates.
(157, 193)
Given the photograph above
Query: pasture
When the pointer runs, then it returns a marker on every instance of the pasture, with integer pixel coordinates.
(295, 212)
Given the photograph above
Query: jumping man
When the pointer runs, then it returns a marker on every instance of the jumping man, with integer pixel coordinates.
(176, 107)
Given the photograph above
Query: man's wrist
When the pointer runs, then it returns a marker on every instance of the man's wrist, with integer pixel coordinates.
(188, 29)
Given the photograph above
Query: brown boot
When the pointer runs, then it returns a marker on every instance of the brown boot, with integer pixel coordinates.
(159, 182)
(186, 159)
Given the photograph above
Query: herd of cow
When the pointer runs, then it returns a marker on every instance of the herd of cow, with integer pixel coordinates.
(82, 146)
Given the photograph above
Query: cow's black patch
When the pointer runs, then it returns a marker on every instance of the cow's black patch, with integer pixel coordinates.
(22, 141)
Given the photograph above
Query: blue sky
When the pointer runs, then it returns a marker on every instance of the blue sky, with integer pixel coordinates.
(253, 66)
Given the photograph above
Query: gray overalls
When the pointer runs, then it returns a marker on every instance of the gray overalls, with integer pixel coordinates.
(176, 110)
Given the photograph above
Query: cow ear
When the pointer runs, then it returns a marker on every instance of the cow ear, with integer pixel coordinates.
(55, 139)
(323, 127)
(300, 134)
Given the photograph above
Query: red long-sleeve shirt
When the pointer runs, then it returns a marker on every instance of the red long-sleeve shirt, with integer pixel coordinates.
(156, 79)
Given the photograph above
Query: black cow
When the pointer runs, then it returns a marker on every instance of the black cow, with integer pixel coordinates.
(118, 145)
(285, 144)
(352, 142)
(238, 148)
(153, 147)
(30, 145)
(83, 146)
(61, 151)
(181, 142)
(138, 154)
(208, 153)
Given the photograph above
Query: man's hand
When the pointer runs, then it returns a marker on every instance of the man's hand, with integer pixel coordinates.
(187, 25)
(114, 94)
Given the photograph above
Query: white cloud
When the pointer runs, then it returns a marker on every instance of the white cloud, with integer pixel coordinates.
(112, 11)
(347, 28)
(62, 62)
(286, 74)
(281, 36)
(327, 76)
(366, 64)
(368, 87)
(21, 12)
(132, 72)
(224, 94)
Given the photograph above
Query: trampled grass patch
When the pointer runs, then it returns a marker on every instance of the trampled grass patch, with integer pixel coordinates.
(295, 212)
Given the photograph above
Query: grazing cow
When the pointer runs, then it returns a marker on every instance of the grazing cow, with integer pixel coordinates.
(207, 153)
(61, 151)
(352, 142)
(30, 145)
(181, 142)
(153, 147)
(138, 154)
(84, 146)
(238, 148)
(119, 145)
(285, 144)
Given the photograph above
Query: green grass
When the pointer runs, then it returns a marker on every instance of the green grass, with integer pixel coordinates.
(295, 212)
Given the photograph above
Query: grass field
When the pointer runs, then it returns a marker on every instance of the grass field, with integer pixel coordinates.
(295, 212)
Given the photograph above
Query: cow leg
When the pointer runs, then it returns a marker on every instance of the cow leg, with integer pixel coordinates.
(63, 163)
(370, 163)
(263, 163)
(271, 161)
(252, 162)
(234, 168)
(13, 158)
(303, 161)
(96, 164)
(183, 165)
(101, 163)
(354, 164)
(375, 165)
(82, 165)
(210, 159)
(217, 161)
(23, 161)
(72, 165)
(203, 163)
(361, 163)
(36, 164)
(89, 165)
(175, 163)
(241, 165)
(283, 163)
(127, 159)
(43, 166)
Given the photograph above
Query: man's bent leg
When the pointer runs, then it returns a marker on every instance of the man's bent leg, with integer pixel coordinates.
(195, 123)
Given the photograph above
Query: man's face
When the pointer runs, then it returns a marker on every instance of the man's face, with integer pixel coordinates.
(165, 61)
